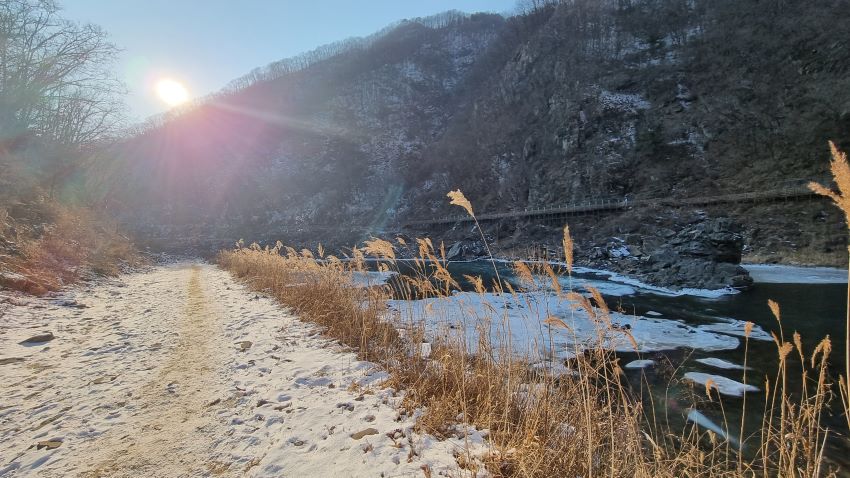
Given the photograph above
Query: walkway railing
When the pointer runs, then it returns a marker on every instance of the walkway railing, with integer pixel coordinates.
(790, 189)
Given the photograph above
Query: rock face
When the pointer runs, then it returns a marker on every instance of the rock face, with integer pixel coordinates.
(704, 255)
(531, 111)
(466, 250)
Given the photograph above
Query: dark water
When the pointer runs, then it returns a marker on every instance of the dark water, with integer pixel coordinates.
(813, 310)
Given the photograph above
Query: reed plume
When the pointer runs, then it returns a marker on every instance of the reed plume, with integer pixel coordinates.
(458, 199)
(841, 176)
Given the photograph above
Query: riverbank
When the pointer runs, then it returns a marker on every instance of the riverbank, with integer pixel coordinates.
(457, 374)
(668, 247)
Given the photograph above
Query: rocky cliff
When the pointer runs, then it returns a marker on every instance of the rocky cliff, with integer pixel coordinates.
(571, 101)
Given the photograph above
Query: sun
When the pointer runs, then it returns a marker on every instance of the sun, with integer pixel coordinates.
(171, 92)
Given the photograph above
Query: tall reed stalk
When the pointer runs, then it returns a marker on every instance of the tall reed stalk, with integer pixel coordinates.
(458, 199)
(841, 175)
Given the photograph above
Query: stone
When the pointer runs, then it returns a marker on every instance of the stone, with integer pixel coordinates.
(364, 433)
(245, 345)
(465, 250)
(10, 360)
(104, 379)
(48, 444)
(455, 251)
(38, 339)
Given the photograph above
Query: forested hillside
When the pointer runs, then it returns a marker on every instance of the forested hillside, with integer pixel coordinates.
(564, 102)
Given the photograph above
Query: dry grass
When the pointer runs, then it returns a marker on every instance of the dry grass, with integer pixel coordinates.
(66, 245)
(527, 414)
(541, 422)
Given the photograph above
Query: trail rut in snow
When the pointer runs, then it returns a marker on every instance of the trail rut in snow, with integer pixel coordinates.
(172, 418)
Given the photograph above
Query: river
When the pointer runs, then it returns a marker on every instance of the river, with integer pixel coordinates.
(677, 332)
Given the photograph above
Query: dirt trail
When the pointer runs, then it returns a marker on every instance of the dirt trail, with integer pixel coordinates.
(182, 372)
(172, 406)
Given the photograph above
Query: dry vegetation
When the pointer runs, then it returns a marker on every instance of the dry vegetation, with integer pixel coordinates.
(582, 420)
(51, 245)
(61, 106)
(841, 175)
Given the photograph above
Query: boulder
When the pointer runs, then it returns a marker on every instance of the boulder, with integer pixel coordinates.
(703, 254)
(465, 250)
(718, 240)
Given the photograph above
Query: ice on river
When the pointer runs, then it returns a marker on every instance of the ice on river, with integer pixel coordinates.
(724, 385)
(371, 278)
(720, 363)
(614, 284)
(638, 364)
(725, 325)
(782, 274)
(520, 318)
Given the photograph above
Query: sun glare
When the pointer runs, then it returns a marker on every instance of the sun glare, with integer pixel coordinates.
(171, 92)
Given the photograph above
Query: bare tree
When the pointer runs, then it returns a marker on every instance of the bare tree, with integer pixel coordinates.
(527, 7)
(55, 79)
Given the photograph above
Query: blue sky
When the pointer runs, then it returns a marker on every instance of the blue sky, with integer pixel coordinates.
(207, 43)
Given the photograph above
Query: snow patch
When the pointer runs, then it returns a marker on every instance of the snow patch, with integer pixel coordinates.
(553, 369)
(624, 102)
(578, 284)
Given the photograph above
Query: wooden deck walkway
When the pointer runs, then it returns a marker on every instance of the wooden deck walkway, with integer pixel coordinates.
(603, 206)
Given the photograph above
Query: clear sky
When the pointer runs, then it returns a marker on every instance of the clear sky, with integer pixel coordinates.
(206, 43)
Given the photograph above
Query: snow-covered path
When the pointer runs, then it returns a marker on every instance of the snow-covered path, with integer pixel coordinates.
(181, 371)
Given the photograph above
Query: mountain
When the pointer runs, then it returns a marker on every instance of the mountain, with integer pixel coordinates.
(569, 101)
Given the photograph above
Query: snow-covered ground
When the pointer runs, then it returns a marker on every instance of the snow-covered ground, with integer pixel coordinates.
(782, 274)
(181, 371)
